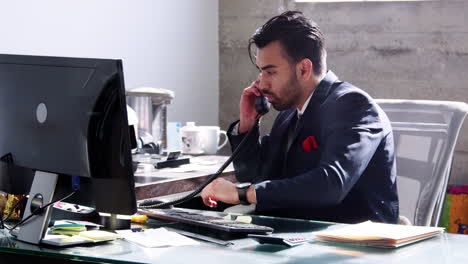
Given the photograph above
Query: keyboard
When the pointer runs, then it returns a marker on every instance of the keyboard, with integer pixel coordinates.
(211, 222)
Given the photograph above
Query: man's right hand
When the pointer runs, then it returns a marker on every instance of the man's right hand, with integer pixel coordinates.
(248, 114)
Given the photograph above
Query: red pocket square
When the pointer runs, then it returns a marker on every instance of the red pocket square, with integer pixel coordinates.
(309, 144)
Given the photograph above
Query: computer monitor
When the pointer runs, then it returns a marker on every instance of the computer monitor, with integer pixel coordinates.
(15, 179)
(66, 116)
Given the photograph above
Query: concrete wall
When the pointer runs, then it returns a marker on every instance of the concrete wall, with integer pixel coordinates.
(409, 50)
(166, 44)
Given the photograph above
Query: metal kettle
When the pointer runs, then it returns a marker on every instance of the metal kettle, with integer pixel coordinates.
(150, 105)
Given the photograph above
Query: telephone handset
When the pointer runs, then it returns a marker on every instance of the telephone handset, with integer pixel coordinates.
(262, 106)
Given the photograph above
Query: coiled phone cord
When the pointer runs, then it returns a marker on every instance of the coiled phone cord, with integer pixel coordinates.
(149, 203)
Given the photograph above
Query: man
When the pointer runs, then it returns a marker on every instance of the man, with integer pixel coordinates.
(330, 153)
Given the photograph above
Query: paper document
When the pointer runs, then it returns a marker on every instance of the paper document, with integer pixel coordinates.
(378, 234)
(159, 237)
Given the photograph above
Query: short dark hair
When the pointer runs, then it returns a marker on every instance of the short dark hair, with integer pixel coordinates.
(300, 37)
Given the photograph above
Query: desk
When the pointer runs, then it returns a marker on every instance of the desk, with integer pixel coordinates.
(156, 183)
(445, 248)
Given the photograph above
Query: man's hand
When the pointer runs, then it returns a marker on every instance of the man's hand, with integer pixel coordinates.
(247, 106)
(220, 190)
(225, 191)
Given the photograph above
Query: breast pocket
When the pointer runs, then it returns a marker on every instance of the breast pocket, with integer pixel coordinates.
(309, 144)
(306, 154)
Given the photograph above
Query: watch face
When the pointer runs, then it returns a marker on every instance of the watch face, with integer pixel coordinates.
(243, 185)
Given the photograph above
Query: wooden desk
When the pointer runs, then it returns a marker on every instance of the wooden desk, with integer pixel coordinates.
(155, 183)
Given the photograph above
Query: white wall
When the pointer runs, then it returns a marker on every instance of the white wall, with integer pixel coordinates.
(167, 44)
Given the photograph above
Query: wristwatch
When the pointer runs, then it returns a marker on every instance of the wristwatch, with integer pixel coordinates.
(242, 192)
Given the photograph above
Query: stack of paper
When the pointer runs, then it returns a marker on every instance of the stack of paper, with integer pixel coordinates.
(378, 234)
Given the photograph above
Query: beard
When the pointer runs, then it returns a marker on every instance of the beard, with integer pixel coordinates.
(288, 96)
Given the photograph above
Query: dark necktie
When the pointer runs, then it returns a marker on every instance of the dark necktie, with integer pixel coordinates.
(292, 131)
(290, 138)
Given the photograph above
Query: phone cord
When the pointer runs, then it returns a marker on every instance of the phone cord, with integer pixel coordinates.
(208, 181)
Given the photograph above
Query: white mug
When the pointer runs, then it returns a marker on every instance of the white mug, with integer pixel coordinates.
(211, 135)
(192, 139)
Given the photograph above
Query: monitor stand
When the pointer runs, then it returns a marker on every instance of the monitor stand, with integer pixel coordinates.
(41, 193)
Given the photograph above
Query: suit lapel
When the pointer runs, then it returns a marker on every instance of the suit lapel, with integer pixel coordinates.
(318, 97)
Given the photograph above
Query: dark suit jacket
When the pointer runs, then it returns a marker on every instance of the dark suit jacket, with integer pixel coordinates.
(340, 166)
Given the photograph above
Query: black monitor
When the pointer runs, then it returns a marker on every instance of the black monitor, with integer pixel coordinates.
(67, 116)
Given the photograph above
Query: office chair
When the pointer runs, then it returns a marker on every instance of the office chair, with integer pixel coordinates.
(425, 134)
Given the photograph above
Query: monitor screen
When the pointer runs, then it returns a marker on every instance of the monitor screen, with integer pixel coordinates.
(15, 179)
(68, 116)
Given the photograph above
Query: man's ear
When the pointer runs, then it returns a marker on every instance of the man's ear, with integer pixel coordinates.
(304, 69)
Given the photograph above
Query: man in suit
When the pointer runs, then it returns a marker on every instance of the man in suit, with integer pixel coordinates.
(330, 153)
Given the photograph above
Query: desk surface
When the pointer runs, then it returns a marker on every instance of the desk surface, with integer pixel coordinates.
(155, 183)
(445, 248)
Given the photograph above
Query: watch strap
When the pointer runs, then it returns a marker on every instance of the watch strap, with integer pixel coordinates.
(242, 192)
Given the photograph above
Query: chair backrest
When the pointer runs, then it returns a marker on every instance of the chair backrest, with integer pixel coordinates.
(425, 135)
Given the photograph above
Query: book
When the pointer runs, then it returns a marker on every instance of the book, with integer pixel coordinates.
(378, 234)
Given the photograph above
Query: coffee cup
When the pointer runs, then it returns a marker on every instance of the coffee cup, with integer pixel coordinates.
(211, 139)
(192, 139)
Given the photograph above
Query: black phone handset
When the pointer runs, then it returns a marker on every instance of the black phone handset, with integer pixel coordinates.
(262, 106)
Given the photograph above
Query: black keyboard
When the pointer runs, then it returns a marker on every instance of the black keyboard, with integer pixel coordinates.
(212, 222)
